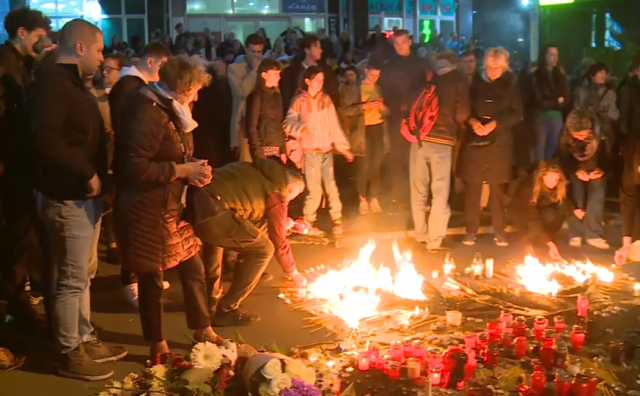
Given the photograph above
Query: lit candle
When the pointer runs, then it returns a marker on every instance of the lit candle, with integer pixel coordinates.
(636, 289)
(374, 352)
(386, 363)
(407, 348)
(394, 371)
(379, 363)
(583, 306)
(477, 270)
(396, 351)
(436, 375)
(413, 368)
(419, 351)
(488, 268)
(363, 361)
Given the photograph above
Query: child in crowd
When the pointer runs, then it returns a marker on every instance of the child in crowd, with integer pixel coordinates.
(362, 111)
(264, 114)
(312, 121)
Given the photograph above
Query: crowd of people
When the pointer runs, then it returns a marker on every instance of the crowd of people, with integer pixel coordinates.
(184, 152)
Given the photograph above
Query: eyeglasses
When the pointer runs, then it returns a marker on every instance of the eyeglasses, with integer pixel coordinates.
(109, 69)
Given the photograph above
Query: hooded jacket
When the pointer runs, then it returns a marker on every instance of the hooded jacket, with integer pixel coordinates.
(313, 121)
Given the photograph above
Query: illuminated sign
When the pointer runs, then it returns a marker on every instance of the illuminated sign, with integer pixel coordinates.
(425, 29)
(554, 2)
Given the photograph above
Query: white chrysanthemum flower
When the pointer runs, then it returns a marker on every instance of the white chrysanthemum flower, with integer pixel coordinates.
(116, 388)
(280, 382)
(130, 381)
(159, 372)
(295, 369)
(206, 355)
(272, 369)
(265, 390)
(309, 376)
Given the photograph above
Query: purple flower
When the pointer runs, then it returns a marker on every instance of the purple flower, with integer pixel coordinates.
(300, 388)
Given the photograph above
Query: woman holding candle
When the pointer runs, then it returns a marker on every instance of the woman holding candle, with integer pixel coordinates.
(540, 206)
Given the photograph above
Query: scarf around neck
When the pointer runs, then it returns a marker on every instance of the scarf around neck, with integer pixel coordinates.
(183, 112)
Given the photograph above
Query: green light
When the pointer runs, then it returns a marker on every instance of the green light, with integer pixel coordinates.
(425, 29)
(554, 2)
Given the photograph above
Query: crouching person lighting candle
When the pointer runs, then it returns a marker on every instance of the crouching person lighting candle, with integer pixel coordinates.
(245, 210)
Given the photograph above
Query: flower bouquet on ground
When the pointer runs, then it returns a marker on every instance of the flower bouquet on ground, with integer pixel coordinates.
(273, 374)
(206, 371)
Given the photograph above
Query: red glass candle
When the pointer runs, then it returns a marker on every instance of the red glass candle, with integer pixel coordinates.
(396, 351)
(579, 386)
(394, 371)
(549, 338)
(562, 383)
(379, 363)
(419, 352)
(407, 348)
(435, 372)
(434, 356)
(505, 318)
(374, 352)
(558, 324)
(387, 361)
(583, 306)
(562, 352)
(547, 354)
(493, 331)
(469, 370)
(538, 380)
(520, 328)
(539, 326)
(482, 344)
(491, 360)
(524, 390)
(507, 340)
(521, 347)
(470, 340)
(363, 361)
(592, 382)
(577, 338)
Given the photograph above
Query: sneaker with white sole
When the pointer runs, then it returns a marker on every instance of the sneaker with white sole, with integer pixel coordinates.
(131, 295)
(364, 206)
(469, 239)
(599, 243)
(575, 242)
(374, 206)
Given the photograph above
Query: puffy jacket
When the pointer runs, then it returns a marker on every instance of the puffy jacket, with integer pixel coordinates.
(264, 118)
(314, 122)
(150, 231)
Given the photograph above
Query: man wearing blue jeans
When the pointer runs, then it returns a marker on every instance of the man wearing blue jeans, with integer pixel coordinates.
(430, 158)
(70, 143)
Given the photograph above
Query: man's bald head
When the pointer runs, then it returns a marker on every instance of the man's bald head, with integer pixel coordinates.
(81, 43)
(77, 30)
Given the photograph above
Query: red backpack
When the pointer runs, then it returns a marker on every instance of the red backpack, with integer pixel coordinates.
(423, 115)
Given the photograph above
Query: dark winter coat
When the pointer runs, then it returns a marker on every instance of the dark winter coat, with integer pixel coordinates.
(291, 79)
(499, 101)
(352, 120)
(570, 151)
(69, 134)
(453, 106)
(15, 145)
(401, 80)
(629, 105)
(117, 96)
(264, 120)
(547, 87)
(212, 111)
(148, 207)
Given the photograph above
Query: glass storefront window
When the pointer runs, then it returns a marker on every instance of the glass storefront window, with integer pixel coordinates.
(134, 7)
(273, 28)
(256, 6)
(446, 28)
(242, 29)
(309, 25)
(109, 7)
(390, 23)
(135, 27)
(209, 6)
(373, 22)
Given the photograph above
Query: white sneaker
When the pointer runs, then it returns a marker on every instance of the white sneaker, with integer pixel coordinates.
(575, 242)
(374, 206)
(131, 294)
(599, 243)
(364, 206)
(166, 285)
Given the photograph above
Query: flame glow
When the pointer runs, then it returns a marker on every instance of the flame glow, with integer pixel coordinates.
(352, 292)
(538, 277)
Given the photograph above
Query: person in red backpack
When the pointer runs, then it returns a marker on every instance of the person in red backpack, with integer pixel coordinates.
(430, 158)
(487, 150)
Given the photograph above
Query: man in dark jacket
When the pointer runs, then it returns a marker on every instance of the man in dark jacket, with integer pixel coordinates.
(310, 55)
(72, 152)
(18, 240)
(131, 80)
(245, 209)
(401, 81)
(430, 159)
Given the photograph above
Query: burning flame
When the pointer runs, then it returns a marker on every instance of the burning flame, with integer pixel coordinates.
(538, 277)
(352, 292)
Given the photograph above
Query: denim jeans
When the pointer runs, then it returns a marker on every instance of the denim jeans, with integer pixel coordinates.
(548, 137)
(368, 166)
(318, 171)
(73, 228)
(430, 169)
(593, 192)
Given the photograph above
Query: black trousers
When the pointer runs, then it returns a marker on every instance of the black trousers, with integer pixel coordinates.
(472, 206)
(195, 298)
(368, 171)
(398, 161)
(630, 202)
(551, 218)
(226, 230)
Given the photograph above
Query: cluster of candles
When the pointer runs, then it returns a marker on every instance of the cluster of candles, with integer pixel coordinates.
(413, 355)
(480, 268)
(583, 384)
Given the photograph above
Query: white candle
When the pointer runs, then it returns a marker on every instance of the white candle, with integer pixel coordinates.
(488, 268)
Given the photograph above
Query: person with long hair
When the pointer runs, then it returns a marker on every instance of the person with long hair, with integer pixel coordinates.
(550, 98)
(540, 206)
(264, 114)
(586, 160)
(313, 122)
(487, 150)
